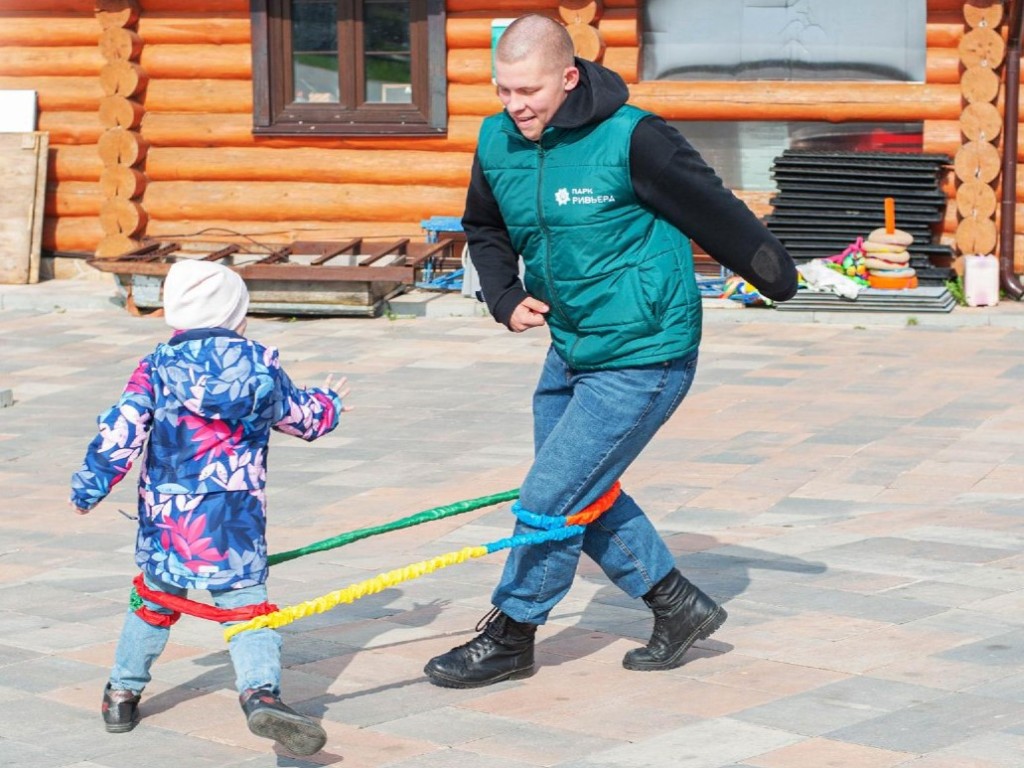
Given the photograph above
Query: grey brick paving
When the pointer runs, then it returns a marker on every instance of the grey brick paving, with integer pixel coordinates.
(850, 487)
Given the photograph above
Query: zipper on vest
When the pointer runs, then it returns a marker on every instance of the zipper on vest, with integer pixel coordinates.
(556, 305)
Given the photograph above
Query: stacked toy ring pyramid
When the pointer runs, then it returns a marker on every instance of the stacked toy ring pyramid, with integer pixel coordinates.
(827, 199)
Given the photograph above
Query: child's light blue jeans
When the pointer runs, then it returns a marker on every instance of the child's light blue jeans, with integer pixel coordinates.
(255, 654)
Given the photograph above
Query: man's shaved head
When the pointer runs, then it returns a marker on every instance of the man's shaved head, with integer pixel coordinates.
(535, 35)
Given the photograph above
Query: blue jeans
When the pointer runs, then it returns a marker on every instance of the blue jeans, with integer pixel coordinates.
(255, 654)
(589, 426)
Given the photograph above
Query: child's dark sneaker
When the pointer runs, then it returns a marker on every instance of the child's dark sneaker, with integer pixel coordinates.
(120, 710)
(271, 718)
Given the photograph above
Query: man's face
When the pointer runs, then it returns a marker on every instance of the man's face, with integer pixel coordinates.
(532, 91)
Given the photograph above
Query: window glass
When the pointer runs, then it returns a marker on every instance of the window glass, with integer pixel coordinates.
(314, 28)
(784, 40)
(387, 52)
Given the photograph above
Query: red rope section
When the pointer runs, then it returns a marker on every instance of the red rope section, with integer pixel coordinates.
(180, 605)
(590, 513)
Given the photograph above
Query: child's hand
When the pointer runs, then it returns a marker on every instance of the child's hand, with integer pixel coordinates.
(339, 386)
(78, 510)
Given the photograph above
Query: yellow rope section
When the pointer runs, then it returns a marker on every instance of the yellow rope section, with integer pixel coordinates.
(353, 592)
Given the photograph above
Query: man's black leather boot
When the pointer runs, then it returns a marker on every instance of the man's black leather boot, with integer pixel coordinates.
(502, 651)
(682, 615)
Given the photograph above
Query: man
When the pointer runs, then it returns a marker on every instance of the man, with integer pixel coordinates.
(600, 199)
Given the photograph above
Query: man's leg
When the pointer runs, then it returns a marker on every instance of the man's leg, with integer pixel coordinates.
(589, 427)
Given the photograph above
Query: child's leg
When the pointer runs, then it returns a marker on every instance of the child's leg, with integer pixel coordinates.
(256, 655)
(140, 644)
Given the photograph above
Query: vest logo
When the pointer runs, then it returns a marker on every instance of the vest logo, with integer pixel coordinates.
(581, 196)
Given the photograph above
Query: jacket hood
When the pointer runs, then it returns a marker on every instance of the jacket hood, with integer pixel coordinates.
(600, 92)
(214, 374)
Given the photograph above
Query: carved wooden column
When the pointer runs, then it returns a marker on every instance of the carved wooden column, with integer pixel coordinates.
(581, 17)
(121, 146)
(977, 162)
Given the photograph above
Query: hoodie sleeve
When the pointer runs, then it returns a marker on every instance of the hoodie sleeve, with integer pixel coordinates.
(670, 177)
(123, 429)
(306, 412)
(490, 248)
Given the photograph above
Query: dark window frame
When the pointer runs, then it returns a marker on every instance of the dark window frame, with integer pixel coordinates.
(275, 114)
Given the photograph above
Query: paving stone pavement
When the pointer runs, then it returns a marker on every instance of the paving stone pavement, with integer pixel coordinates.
(849, 486)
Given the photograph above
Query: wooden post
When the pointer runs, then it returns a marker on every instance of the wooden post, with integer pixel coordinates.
(121, 147)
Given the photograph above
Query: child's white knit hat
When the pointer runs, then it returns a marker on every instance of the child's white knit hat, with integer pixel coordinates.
(204, 294)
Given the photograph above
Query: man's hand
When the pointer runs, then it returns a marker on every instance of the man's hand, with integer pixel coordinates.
(529, 314)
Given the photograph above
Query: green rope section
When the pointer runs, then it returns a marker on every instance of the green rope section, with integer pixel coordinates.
(134, 601)
(429, 515)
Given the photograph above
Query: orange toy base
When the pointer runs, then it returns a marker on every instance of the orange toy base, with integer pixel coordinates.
(892, 283)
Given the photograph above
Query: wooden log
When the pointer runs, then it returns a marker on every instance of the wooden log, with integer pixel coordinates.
(310, 164)
(70, 128)
(48, 30)
(197, 61)
(977, 160)
(71, 233)
(982, 47)
(940, 34)
(118, 43)
(200, 96)
(59, 93)
(25, 61)
(469, 65)
(119, 112)
(74, 164)
(472, 66)
(215, 129)
(80, 7)
(117, 13)
(222, 29)
(118, 146)
(73, 198)
(229, 230)
(976, 235)
(586, 41)
(123, 78)
(975, 198)
(979, 84)
(120, 216)
(122, 181)
(981, 121)
(472, 29)
(625, 61)
(982, 15)
(763, 100)
(503, 8)
(278, 201)
(945, 6)
(942, 65)
(112, 246)
(579, 11)
(188, 7)
(942, 136)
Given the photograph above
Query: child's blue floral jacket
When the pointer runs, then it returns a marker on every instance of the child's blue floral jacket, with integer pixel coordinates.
(206, 400)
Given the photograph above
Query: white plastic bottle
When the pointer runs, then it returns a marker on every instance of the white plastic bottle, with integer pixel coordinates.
(981, 280)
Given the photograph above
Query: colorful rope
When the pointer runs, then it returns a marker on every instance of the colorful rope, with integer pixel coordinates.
(180, 605)
(552, 528)
(426, 516)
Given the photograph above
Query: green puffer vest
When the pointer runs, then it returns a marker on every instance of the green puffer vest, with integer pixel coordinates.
(619, 279)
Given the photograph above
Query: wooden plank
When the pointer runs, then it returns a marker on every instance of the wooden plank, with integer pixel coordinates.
(23, 168)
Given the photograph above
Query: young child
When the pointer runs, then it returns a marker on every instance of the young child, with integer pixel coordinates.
(206, 400)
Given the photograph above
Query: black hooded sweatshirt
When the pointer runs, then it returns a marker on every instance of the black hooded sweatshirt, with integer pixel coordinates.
(669, 177)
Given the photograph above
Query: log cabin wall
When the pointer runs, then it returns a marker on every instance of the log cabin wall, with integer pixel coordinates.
(206, 171)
